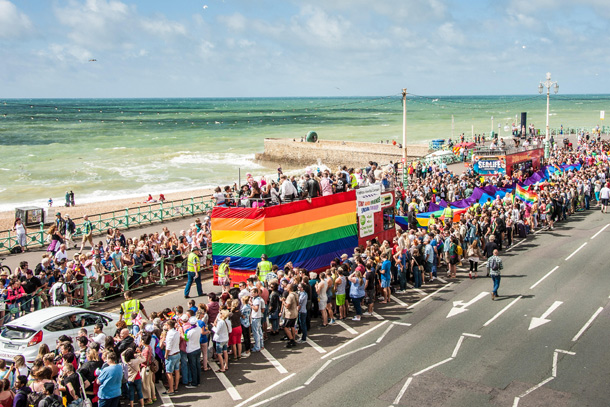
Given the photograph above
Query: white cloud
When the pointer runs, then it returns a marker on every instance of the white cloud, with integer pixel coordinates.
(13, 23)
(163, 27)
(235, 22)
(450, 34)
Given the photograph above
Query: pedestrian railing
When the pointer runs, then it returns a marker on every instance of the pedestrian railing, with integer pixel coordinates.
(122, 219)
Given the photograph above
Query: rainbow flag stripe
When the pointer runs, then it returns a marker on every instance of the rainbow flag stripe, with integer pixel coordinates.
(308, 234)
(526, 196)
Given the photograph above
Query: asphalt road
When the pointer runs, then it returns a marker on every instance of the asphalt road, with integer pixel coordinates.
(449, 344)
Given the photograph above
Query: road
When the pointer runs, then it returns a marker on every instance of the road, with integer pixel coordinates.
(448, 344)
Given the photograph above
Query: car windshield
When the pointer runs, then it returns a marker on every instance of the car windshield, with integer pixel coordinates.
(16, 332)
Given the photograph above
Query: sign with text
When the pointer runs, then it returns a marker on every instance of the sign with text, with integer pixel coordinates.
(367, 224)
(368, 199)
(486, 166)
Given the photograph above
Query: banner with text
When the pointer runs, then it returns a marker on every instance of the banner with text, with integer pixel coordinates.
(369, 199)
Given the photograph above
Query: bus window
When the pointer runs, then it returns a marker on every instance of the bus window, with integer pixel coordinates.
(388, 218)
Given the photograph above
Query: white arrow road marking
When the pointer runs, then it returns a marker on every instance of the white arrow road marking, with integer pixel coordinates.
(536, 322)
(548, 379)
(460, 306)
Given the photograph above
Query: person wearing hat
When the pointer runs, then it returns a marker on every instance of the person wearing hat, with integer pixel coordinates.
(193, 266)
(60, 223)
(69, 232)
(263, 268)
(224, 272)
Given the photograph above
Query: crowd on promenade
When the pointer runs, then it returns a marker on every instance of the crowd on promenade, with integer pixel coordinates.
(281, 302)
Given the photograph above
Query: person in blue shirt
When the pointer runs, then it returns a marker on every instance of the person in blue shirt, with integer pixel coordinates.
(386, 278)
(109, 379)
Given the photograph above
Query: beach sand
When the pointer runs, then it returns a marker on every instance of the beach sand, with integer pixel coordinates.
(7, 218)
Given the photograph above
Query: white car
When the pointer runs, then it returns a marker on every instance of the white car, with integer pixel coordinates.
(24, 335)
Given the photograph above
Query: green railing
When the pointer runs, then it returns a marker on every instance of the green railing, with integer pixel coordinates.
(122, 219)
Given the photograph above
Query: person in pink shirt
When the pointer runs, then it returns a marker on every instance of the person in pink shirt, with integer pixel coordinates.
(325, 185)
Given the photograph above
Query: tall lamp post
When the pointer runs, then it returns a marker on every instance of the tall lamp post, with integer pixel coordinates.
(548, 84)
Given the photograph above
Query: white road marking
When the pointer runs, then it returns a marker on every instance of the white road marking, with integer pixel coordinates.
(167, 401)
(376, 315)
(401, 323)
(353, 351)
(260, 403)
(403, 390)
(536, 322)
(471, 335)
(385, 333)
(353, 339)
(428, 296)
(503, 310)
(315, 346)
(576, 251)
(347, 327)
(460, 306)
(243, 403)
(543, 277)
(312, 378)
(545, 381)
(589, 322)
(274, 361)
(602, 229)
(457, 346)
(225, 381)
(515, 245)
(442, 362)
(442, 280)
(404, 304)
(419, 290)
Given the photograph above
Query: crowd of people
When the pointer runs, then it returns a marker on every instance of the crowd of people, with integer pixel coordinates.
(177, 344)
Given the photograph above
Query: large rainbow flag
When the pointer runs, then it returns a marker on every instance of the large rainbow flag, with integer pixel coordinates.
(526, 196)
(310, 235)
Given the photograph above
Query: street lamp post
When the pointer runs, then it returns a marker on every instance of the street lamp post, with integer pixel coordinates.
(548, 84)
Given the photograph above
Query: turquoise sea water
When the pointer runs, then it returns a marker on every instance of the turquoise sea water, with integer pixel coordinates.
(114, 148)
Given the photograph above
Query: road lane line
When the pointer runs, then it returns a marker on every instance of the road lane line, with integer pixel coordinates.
(472, 335)
(576, 251)
(442, 362)
(515, 245)
(589, 322)
(428, 296)
(602, 229)
(315, 346)
(502, 311)
(376, 315)
(442, 280)
(347, 327)
(422, 292)
(274, 361)
(457, 346)
(401, 323)
(385, 333)
(225, 381)
(536, 387)
(260, 403)
(543, 277)
(353, 351)
(167, 401)
(404, 304)
(353, 339)
(403, 390)
(243, 403)
(312, 378)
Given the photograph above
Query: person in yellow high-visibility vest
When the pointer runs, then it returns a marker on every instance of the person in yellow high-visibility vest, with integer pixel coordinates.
(193, 266)
(224, 277)
(448, 213)
(129, 309)
(263, 268)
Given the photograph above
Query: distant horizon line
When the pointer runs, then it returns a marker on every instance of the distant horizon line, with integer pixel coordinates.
(300, 97)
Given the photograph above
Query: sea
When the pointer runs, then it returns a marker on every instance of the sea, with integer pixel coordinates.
(105, 149)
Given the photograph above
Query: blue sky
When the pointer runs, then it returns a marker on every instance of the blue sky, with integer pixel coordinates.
(244, 48)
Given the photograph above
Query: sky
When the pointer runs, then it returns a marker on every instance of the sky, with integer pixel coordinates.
(335, 48)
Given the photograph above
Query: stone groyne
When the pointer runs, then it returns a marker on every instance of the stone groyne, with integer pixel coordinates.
(334, 152)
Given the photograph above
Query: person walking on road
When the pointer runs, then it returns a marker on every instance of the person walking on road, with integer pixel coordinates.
(495, 265)
(193, 267)
(604, 195)
(87, 233)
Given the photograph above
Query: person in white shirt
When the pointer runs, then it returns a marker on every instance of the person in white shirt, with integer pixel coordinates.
(99, 336)
(258, 306)
(222, 328)
(56, 297)
(172, 356)
(193, 353)
(288, 192)
(61, 253)
(604, 195)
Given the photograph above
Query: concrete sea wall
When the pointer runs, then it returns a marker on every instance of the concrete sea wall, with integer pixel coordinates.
(333, 152)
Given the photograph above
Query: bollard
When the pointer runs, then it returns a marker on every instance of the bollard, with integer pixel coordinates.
(86, 302)
(162, 281)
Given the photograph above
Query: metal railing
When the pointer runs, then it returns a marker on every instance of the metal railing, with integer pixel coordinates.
(122, 219)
